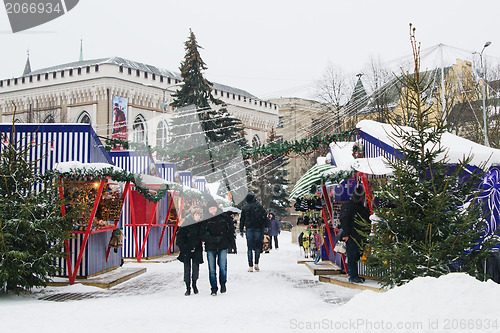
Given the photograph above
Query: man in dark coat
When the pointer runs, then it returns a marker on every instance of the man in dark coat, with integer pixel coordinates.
(189, 243)
(254, 219)
(218, 234)
(354, 217)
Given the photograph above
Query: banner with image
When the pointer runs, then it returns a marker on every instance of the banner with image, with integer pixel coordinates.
(119, 118)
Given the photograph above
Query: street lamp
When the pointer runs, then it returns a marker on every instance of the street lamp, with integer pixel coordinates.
(486, 143)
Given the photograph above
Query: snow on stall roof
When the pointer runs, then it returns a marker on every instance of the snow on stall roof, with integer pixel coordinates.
(342, 155)
(75, 165)
(456, 148)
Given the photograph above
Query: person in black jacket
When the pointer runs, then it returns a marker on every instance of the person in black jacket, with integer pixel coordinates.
(189, 243)
(354, 216)
(218, 234)
(254, 219)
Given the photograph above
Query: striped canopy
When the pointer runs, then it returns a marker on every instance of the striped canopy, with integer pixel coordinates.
(312, 176)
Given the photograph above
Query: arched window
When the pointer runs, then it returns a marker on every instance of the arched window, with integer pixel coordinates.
(84, 118)
(139, 130)
(255, 141)
(161, 134)
(49, 119)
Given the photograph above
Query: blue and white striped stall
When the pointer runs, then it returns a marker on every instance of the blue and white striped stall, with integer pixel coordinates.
(200, 183)
(54, 143)
(186, 178)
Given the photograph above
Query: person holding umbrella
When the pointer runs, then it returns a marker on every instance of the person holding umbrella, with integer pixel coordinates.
(189, 243)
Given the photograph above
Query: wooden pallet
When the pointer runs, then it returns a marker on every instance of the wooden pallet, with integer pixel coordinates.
(323, 268)
(342, 280)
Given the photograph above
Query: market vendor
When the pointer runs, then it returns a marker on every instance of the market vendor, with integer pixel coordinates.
(354, 217)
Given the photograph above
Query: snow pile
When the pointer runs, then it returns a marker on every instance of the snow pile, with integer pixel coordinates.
(453, 302)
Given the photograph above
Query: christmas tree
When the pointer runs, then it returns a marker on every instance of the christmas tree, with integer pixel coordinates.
(430, 222)
(32, 229)
(206, 139)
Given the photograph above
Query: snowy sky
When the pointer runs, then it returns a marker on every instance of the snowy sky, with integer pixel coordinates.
(273, 48)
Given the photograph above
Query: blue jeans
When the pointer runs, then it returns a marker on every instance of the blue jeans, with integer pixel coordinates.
(254, 245)
(353, 255)
(221, 258)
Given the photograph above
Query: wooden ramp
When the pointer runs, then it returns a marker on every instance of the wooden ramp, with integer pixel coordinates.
(323, 268)
(104, 280)
(113, 278)
(343, 281)
(304, 260)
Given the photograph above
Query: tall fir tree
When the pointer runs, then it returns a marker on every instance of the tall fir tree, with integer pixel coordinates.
(270, 182)
(205, 138)
(32, 229)
(431, 225)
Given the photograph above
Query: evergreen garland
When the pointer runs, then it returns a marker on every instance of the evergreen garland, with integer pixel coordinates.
(285, 148)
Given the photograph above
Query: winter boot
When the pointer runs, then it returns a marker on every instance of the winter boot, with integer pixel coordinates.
(223, 289)
(256, 267)
(195, 288)
(214, 292)
(250, 269)
(188, 289)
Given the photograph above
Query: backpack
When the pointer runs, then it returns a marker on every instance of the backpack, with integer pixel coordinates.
(259, 217)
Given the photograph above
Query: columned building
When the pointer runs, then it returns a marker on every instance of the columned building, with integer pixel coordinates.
(91, 91)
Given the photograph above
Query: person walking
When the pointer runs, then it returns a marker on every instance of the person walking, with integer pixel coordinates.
(189, 243)
(275, 230)
(218, 234)
(354, 217)
(253, 219)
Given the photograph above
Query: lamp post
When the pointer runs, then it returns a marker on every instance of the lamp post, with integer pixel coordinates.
(486, 143)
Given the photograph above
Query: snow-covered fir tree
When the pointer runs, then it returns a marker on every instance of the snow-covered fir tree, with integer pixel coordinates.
(430, 223)
(203, 139)
(32, 229)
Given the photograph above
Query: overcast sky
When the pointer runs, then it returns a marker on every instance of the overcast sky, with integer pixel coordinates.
(270, 48)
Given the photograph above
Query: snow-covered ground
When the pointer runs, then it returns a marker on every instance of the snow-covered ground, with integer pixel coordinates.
(283, 296)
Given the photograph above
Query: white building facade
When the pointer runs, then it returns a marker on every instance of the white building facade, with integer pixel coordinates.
(85, 91)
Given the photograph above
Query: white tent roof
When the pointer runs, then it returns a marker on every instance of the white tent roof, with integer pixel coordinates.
(456, 148)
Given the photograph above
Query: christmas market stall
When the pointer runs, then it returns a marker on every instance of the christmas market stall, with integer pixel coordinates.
(94, 200)
(378, 140)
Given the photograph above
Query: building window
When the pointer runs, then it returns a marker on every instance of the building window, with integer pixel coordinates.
(145, 75)
(234, 96)
(23, 80)
(227, 95)
(49, 119)
(46, 76)
(168, 81)
(161, 134)
(139, 130)
(79, 71)
(255, 141)
(161, 78)
(88, 69)
(130, 71)
(71, 72)
(15, 81)
(239, 97)
(54, 75)
(97, 68)
(280, 122)
(38, 77)
(1, 83)
(62, 73)
(154, 77)
(84, 118)
(137, 73)
(31, 78)
(8, 82)
(121, 69)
